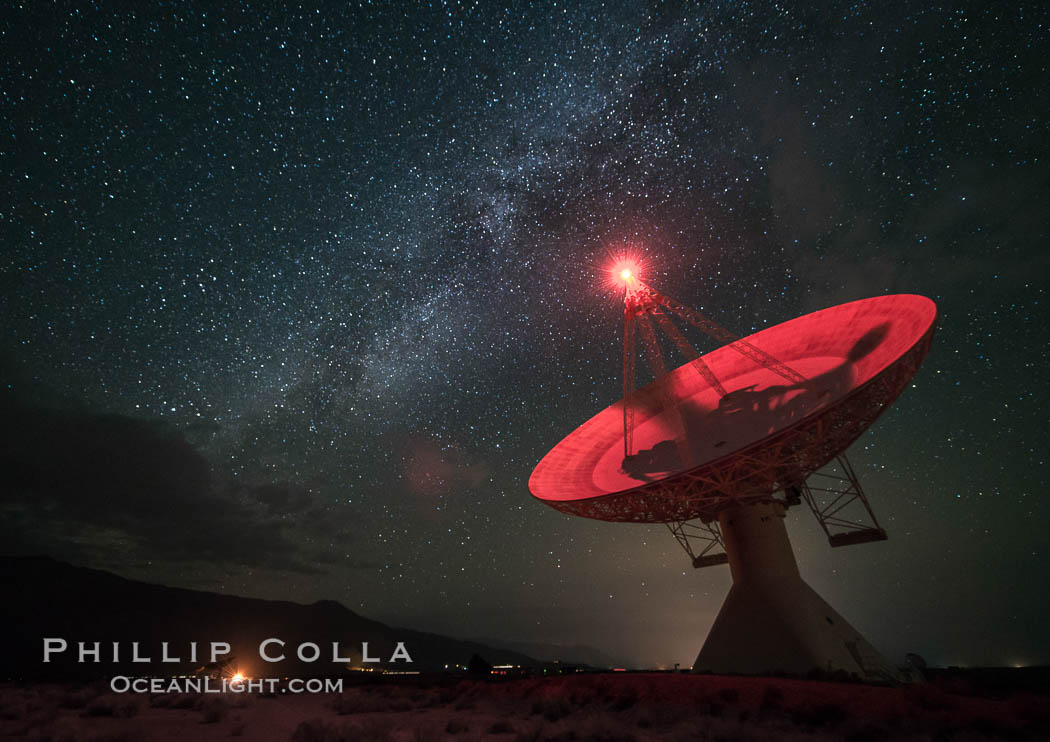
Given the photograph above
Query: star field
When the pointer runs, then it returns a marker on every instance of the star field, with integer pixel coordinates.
(295, 299)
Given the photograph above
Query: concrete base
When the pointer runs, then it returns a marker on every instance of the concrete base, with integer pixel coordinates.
(772, 621)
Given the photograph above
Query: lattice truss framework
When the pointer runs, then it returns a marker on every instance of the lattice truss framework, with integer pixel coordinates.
(834, 496)
(701, 541)
(839, 504)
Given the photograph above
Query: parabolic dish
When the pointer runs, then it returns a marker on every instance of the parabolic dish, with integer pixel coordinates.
(694, 452)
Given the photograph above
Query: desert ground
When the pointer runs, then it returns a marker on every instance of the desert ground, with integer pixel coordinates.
(620, 707)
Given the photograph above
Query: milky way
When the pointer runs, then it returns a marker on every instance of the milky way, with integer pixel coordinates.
(293, 301)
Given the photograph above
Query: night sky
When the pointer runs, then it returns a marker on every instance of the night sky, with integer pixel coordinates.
(294, 300)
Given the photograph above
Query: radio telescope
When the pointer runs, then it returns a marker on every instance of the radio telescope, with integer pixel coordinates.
(720, 448)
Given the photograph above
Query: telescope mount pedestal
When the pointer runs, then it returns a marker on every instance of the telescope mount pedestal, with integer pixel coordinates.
(772, 621)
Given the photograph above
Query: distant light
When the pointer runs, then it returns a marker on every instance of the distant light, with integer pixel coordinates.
(625, 274)
(238, 677)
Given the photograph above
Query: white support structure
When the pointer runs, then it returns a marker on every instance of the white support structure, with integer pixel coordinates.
(772, 621)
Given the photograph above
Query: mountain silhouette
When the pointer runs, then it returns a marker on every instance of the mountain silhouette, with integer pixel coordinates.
(51, 599)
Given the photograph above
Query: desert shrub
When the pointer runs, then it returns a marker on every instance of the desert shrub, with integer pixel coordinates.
(993, 728)
(595, 729)
(772, 698)
(658, 717)
(581, 697)
(729, 695)
(456, 726)
(12, 711)
(608, 733)
(118, 735)
(530, 734)
(374, 729)
(501, 727)
(214, 710)
(359, 703)
(465, 704)
(434, 697)
(420, 698)
(183, 701)
(316, 730)
(864, 731)
(460, 690)
(1031, 709)
(36, 723)
(409, 698)
(313, 730)
(343, 704)
(689, 735)
(711, 708)
(65, 729)
(241, 700)
(625, 700)
(818, 714)
(102, 706)
(381, 699)
(426, 733)
(75, 699)
(551, 709)
(731, 730)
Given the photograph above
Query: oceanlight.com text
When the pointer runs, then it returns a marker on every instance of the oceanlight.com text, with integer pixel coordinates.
(125, 684)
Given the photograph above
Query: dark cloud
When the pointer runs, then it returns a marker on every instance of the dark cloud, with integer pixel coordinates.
(94, 484)
(281, 498)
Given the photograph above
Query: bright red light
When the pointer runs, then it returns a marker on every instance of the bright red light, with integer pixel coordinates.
(623, 268)
(625, 271)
